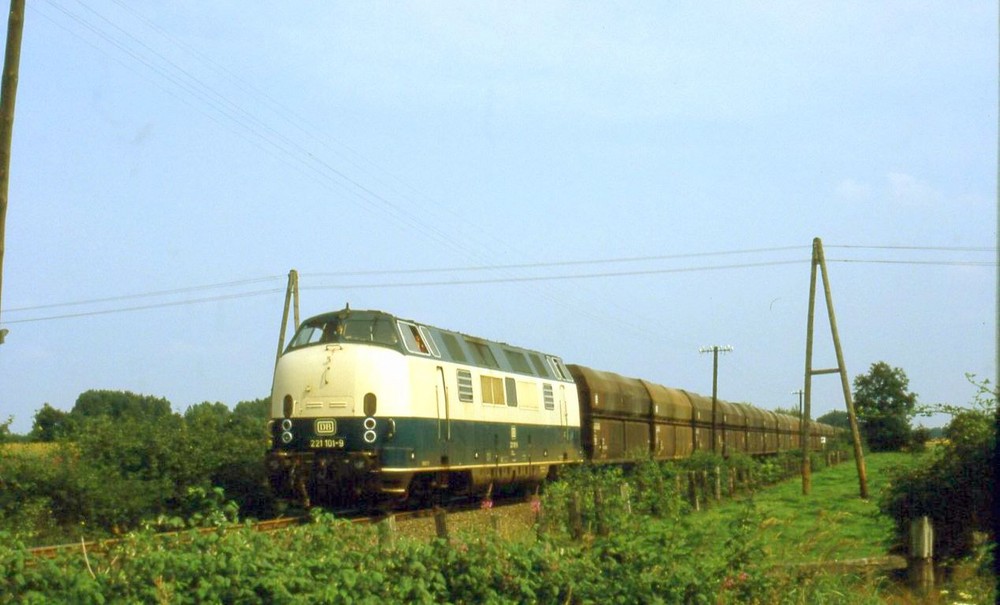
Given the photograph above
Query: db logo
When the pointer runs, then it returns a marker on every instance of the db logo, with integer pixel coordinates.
(325, 427)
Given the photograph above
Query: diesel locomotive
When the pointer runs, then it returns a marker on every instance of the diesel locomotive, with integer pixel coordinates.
(370, 408)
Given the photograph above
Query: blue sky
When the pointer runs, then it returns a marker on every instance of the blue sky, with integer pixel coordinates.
(621, 183)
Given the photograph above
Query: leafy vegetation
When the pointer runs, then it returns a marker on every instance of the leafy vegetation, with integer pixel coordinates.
(119, 460)
(955, 484)
(604, 534)
(884, 407)
(639, 544)
(658, 553)
(837, 418)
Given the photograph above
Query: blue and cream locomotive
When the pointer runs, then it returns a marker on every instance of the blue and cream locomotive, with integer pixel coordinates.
(370, 408)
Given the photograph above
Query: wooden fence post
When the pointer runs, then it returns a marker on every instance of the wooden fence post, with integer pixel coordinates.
(387, 532)
(693, 491)
(718, 484)
(540, 520)
(626, 493)
(441, 523)
(575, 517)
(600, 513)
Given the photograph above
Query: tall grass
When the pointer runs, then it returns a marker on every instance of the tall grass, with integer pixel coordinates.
(832, 522)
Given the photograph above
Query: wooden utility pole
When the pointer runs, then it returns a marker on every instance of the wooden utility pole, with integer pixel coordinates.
(8, 94)
(799, 392)
(818, 261)
(715, 349)
(291, 297)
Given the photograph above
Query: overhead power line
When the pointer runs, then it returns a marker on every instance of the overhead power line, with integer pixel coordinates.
(944, 263)
(122, 297)
(567, 263)
(471, 281)
(176, 303)
(538, 278)
(921, 248)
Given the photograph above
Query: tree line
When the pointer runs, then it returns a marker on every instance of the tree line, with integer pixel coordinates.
(118, 460)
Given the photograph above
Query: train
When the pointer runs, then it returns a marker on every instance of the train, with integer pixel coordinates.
(369, 408)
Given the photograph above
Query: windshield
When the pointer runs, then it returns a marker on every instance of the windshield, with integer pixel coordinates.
(377, 329)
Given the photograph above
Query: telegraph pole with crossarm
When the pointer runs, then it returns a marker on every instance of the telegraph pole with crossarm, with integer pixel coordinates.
(715, 350)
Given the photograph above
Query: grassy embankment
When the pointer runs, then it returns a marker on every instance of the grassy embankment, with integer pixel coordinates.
(832, 523)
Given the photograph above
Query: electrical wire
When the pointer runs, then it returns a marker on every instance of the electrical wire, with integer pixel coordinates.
(156, 293)
(177, 303)
(474, 281)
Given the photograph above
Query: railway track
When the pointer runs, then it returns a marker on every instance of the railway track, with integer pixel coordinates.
(96, 546)
(270, 525)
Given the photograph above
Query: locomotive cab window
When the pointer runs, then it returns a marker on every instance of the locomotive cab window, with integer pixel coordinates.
(418, 339)
(339, 328)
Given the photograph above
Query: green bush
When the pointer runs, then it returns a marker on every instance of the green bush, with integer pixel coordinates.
(125, 460)
(955, 485)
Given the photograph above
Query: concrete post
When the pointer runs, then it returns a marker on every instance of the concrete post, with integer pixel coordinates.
(921, 563)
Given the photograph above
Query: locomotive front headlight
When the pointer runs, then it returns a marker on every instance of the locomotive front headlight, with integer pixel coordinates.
(369, 424)
(370, 436)
(286, 425)
(286, 437)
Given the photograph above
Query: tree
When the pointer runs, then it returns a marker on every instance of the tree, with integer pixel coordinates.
(788, 411)
(884, 406)
(257, 410)
(837, 418)
(119, 404)
(213, 416)
(50, 424)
